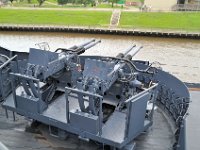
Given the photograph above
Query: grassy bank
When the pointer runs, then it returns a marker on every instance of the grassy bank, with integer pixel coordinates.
(55, 17)
(54, 4)
(189, 21)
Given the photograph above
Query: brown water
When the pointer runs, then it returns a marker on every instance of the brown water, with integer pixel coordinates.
(181, 57)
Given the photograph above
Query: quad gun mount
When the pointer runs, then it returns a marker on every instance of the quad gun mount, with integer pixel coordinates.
(107, 99)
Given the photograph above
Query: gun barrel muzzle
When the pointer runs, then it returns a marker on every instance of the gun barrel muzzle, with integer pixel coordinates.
(122, 55)
(92, 44)
(128, 50)
(82, 45)
(133, 52)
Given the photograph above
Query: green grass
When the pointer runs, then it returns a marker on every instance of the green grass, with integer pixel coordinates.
(189, 21)
(55, 17)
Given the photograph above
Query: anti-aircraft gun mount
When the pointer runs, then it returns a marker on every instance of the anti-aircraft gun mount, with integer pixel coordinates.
(106, 99)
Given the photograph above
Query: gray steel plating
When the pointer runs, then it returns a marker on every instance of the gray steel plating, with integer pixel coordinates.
(106, 99)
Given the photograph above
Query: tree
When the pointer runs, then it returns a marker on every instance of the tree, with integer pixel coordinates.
(29, 1)
(62, 2)
(100, 1)
(85, 2)
(41, 2)
(93, 3)
(11, 1)
(113, 1)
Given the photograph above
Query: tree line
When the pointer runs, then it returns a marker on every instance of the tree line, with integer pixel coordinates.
(83, 2)
(74, 2)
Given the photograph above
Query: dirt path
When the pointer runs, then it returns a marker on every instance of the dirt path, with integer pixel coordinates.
(115, 18)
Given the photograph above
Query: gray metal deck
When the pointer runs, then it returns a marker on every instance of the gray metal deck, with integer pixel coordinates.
(193, 122)
(159, 137)
(9, 102)
(114, 128)
(57, 109)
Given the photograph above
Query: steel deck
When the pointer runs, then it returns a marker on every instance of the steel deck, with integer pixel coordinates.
(159, 137)
(193, 122)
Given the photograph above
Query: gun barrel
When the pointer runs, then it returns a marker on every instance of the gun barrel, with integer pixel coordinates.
(3, 147)
(83, 49)
(122, 55)
(91, 45)
(129, 49)
(133, 52)
(82, 45)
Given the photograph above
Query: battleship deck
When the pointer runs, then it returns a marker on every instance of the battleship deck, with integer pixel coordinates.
(158, 137)
(193, 121)
(33, 106)
(113, 129)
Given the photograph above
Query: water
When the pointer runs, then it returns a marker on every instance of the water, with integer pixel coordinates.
(181, 57)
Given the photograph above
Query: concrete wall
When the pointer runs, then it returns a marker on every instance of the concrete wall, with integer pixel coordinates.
(162, 5)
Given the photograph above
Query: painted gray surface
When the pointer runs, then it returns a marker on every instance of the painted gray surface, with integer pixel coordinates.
(137, 115)
(115, 127)
(157, 138)
(29, 102)
(164, 96)
(193, 122)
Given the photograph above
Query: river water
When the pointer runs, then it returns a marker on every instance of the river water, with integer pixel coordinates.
(181, 57)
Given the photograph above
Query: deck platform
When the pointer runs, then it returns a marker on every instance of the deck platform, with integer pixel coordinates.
(159, 137)
(114, 128)
(193, 122)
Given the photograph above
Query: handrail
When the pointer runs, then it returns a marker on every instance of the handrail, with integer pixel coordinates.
(24, 76)
(3, 92)
(83, 92)
(7, 62)
(141, 93)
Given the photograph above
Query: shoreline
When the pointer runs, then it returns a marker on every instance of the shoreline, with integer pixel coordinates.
(98, 30)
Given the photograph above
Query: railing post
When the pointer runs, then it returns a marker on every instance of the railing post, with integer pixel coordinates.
(127, 120)
(100, 117)
(13, 81)
(67, 105)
